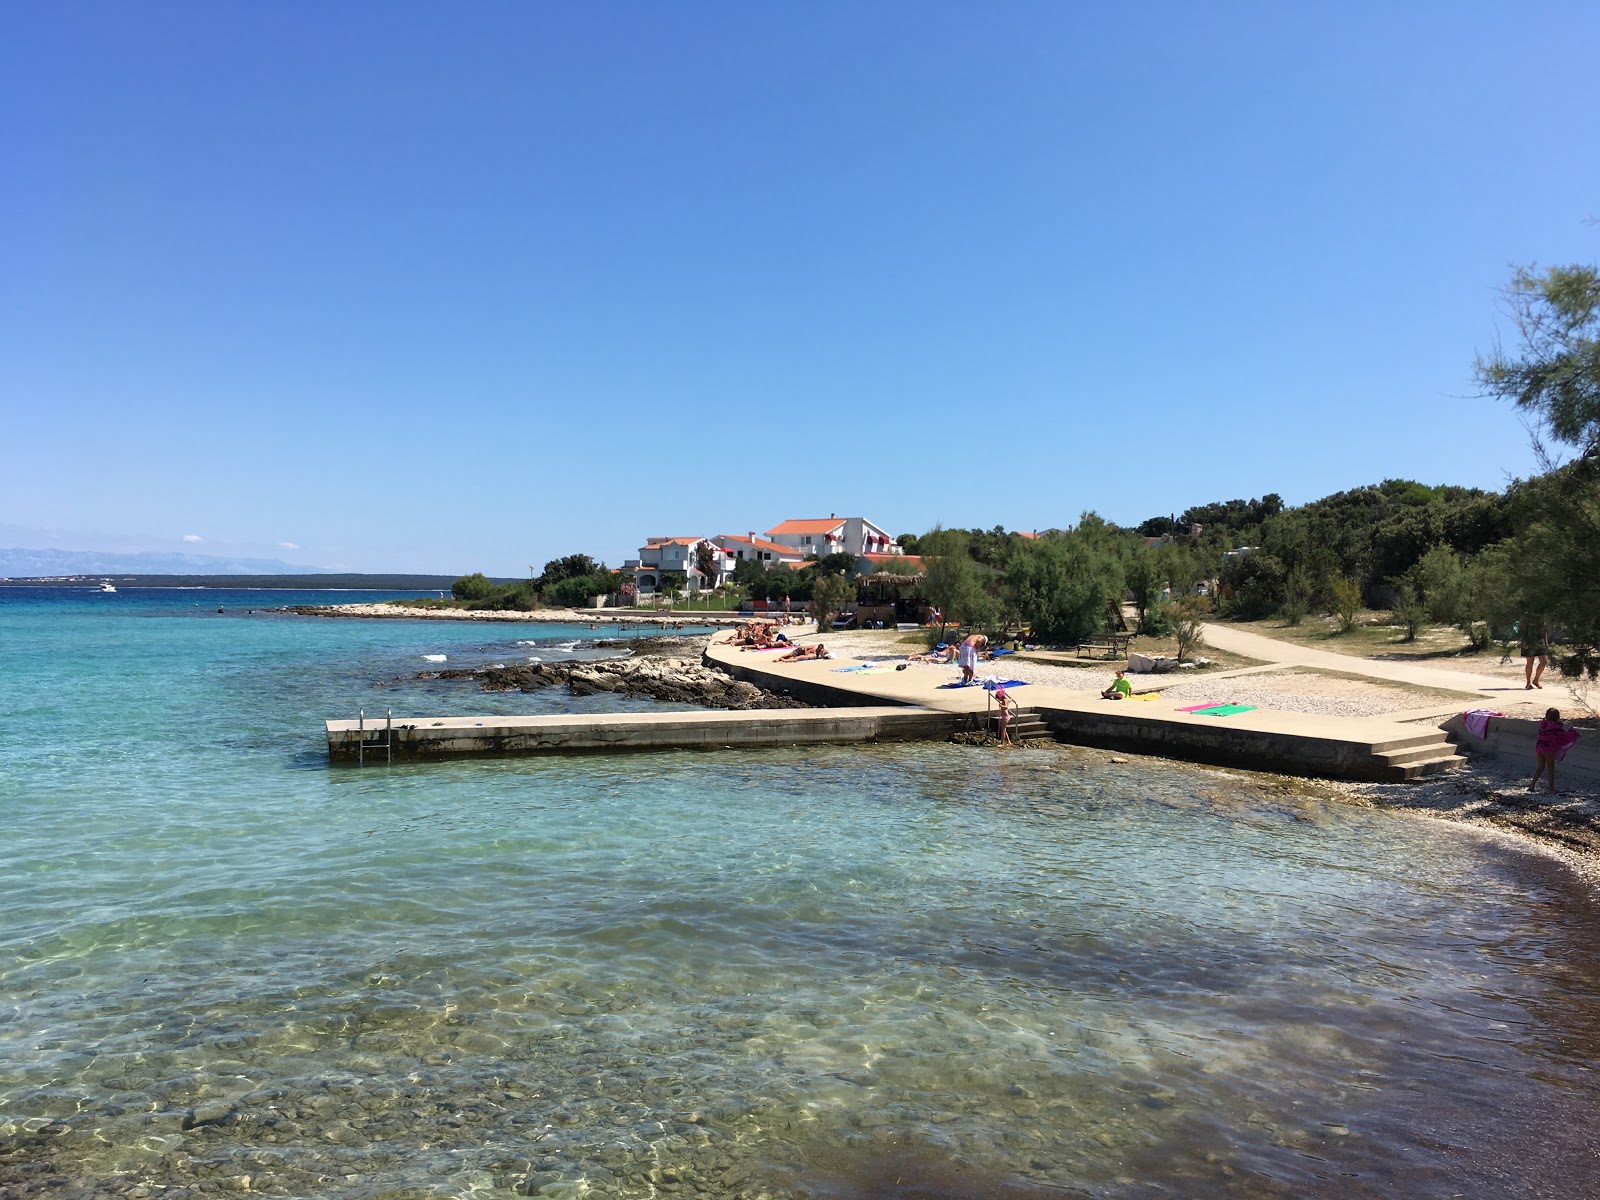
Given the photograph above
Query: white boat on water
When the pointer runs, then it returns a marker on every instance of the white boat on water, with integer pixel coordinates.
(106, 587)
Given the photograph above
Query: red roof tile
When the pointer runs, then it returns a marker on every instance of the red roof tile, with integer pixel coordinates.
(760, 544)
(825, 525)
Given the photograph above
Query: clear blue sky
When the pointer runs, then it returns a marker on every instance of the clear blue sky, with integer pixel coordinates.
(448, 287)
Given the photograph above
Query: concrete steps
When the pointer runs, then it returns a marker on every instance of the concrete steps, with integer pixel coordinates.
(1026, 726)
(1406, 759)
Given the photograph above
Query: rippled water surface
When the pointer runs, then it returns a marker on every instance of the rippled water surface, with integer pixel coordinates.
(912, 971)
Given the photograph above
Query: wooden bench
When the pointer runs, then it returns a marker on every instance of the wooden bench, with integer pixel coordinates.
(1111, 645)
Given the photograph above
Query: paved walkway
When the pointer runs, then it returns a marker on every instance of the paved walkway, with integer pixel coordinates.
(1502, 688)
(920, 685)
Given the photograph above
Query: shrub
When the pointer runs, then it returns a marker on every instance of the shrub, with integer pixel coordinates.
(1157, 620)
(1294, 610)
(1188, 624)
(578, 591)
(1346, 595)
(1257, 584)
(1410, 613)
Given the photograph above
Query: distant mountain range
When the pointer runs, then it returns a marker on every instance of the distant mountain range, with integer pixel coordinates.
(22, 564)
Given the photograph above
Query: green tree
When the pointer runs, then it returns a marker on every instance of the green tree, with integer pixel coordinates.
(1143, 577)
(1410, 613)
(1064, 586)
(570, 566)
(1188, 624)
(1296, 598)
(830, 592)
(1555, 374)
(1463, 594)
(1177, 567)
(752, 574)
(472, 587)
(705, 561)
(840, 562)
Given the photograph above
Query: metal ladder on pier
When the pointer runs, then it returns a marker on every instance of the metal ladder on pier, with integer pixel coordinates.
(363, 745)
(1026, 724)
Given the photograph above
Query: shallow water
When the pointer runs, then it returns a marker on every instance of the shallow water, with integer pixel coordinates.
(913, 971)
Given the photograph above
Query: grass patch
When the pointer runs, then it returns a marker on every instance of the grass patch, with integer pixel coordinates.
(1372, 636)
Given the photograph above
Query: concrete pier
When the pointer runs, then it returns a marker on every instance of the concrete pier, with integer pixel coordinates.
(417, 738)
(1289, 743)
(909, 706)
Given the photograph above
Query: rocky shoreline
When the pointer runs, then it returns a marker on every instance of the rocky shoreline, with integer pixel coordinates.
(1491, 796)
(656, 668)
(550, 616)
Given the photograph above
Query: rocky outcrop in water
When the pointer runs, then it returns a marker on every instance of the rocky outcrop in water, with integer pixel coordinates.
(674, 679)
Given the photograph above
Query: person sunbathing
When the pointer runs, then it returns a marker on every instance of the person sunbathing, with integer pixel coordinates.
(804, 652)
(754, 635)
(939, 654)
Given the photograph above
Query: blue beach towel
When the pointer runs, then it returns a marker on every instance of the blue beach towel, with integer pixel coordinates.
(989, 685)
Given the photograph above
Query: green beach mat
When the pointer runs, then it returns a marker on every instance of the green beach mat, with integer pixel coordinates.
(1223, 710)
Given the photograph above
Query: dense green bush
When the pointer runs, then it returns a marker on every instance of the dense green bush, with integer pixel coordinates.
(1255, 584)
(579, 591)
(1064, 586)
(472, 587)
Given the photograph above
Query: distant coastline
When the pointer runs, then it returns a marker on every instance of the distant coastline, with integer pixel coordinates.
(320, 582)
(556, 616)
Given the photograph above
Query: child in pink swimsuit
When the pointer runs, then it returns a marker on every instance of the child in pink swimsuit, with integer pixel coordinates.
(1555, 739)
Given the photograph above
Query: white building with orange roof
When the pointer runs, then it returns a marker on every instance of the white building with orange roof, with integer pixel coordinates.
(833, 535)
(757, 549)
(662, 558)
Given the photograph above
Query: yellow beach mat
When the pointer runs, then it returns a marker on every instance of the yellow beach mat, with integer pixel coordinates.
(1145, 696)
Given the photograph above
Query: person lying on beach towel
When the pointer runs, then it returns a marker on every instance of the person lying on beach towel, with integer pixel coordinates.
(804, 652)
(940, 654)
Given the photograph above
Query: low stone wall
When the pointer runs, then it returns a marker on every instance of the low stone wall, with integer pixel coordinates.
(454, 737)
(1219, 744)
(1511, 740)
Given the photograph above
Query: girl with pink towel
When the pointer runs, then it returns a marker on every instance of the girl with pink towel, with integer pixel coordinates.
(1555, 739)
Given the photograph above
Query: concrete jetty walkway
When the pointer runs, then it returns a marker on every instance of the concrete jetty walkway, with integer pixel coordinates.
(1284, 742)
(413, 738)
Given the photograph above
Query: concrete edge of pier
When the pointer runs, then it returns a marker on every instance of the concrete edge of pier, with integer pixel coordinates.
(408, 739)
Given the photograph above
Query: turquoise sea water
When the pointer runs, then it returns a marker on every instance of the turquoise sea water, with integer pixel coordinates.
(910, 971)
